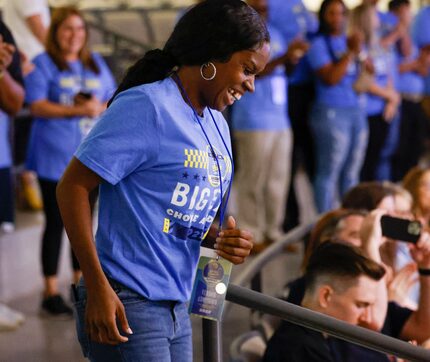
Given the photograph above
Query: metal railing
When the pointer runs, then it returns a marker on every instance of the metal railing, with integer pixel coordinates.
(237, 294)
(252, 271)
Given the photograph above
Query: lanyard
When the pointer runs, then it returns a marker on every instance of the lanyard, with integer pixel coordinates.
(223, 205)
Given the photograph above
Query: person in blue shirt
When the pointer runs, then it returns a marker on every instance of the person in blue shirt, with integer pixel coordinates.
(390, 30)
(337, 121)
(11, 100)
(263, 140)
(298, 31)
(67, 91)
(161, 158)
(421, 36)
(301, 22)
(413, 65)
(382, 99)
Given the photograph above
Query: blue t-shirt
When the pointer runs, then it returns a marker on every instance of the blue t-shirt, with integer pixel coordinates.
(427, 85)
(14, 69)
(385, 66)
(162, 189)
(292, 18)
(341, 94)
(388, 22)
(421, 27)
(301, 23)
(421, 36)
(54, 140)
(5, 154)
(302, 73)
(266, 108)
(409, 82)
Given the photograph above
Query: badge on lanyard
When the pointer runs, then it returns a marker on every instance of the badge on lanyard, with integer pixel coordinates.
(210, 286)
(213, 272)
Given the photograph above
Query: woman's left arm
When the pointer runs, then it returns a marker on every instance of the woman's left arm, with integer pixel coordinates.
(234, 244)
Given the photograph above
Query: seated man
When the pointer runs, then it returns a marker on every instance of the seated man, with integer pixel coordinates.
(340, 282)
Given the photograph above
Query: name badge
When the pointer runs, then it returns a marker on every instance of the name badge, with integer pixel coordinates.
(210, 287)
(279, 90)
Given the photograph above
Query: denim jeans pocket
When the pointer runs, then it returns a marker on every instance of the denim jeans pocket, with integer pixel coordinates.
(126, 295)
(80, 301)
(80, 327)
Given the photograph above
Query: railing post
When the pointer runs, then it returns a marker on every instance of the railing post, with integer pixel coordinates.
(212, 342)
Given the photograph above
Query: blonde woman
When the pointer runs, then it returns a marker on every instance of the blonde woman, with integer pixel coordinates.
(382, 99)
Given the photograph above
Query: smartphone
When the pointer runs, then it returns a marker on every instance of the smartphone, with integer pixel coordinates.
(401, 229)
(86, 95)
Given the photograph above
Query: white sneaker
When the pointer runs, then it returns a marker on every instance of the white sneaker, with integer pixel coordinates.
(9, 318)
(7, 227)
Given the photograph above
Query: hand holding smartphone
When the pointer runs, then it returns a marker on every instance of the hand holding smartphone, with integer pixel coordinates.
(401, 229)
(81, 97)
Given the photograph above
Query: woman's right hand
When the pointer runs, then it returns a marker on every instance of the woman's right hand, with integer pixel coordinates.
(103, 309)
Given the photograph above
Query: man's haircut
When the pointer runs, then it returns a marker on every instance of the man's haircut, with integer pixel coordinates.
(336, 264)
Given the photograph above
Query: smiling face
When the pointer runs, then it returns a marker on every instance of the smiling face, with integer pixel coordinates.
(71, 36)
(233, 78)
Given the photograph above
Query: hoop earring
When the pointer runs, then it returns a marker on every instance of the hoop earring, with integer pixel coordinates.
(207, 65)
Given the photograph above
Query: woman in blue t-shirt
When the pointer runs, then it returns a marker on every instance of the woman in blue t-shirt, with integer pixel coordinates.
(337, 121)
(11, 100)
(161, 158)
(67, 91)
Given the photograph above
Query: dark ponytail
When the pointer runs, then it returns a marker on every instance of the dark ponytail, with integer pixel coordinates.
(155, 65)
(210, 31)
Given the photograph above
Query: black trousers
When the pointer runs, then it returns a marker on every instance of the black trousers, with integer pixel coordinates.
(412, 137)
(300, 98)
(22, 129)
(378, 132)
(6, 196)
(53, 232)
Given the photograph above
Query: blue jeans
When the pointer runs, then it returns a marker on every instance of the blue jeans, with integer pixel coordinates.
(161, 330)
(340, 139)
(384, 171)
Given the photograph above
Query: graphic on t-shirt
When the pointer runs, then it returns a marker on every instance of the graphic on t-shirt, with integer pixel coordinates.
(196, 197)
(208, 160)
